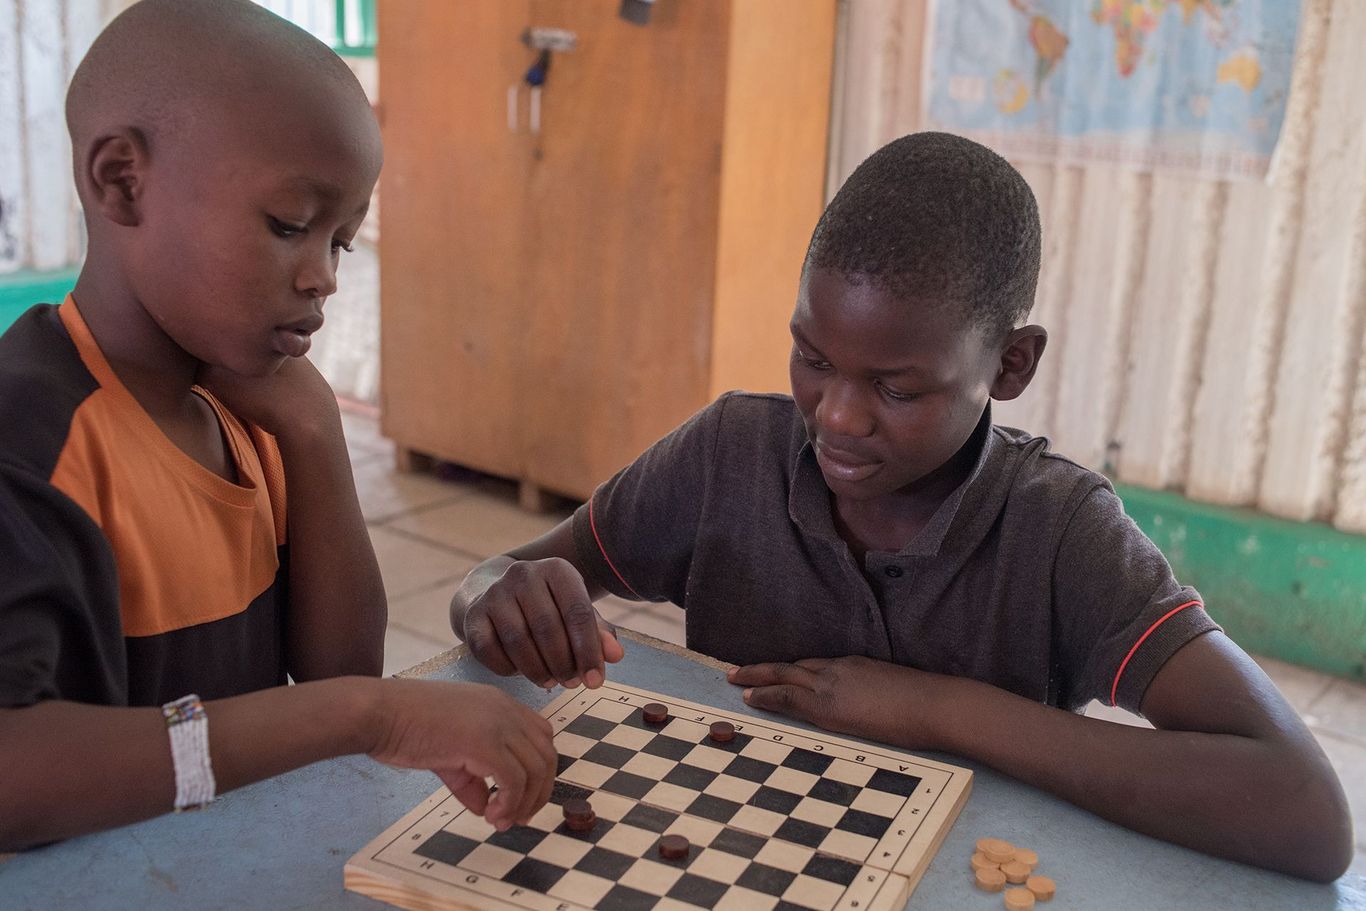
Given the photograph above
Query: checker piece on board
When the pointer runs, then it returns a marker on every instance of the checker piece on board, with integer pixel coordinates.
(722, 731)
(674, 847)
(579, 815)
(655, 713)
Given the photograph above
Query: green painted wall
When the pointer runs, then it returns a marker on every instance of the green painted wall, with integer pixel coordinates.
(21, 290)
(1291, 590)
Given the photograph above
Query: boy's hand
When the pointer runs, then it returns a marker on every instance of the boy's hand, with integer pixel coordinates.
(295, 397)
(537, 620)
(466, 733)
(853, 695)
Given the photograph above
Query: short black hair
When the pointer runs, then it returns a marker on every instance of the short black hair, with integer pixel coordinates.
(936, 218)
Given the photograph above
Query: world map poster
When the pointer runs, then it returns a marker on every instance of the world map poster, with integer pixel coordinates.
(1196, 87)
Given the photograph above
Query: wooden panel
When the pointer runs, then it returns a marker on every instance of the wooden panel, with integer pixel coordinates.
(1106, 264)
(46, 146)
(455, 315)
(13, 214)
(1170, 319)
(777, 113)
(1316, 371)
(83, 21)
(624, 197)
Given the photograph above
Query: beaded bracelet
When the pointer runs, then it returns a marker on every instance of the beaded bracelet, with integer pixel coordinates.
(188, 726)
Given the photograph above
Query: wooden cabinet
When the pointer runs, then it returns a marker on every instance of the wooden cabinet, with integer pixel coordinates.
(553, 301)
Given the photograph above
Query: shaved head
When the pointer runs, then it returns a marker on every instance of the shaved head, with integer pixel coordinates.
(173, 69)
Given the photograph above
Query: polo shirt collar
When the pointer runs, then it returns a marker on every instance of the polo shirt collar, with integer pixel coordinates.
(808, 499)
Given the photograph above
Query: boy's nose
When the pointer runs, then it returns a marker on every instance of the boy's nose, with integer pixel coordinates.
(318, 278)
(842, 411)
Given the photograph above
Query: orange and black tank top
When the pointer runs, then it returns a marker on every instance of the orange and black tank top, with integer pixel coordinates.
(129, 573)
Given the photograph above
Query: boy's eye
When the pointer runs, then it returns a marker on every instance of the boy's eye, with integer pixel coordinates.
(898, 396)
(284, 228)
(342, 245)
(811, 362)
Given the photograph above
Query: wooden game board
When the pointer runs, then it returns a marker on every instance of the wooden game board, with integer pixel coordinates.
(777, 818)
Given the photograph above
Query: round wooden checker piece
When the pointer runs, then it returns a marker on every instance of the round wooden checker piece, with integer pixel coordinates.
(674, 847)
(722, 731)
(990, 879)
(579, 815)
(979, 861)
(999, 852)
(655, 713)
(1042, 887)
(1018, 899)
(1015, 872)
(1027, 857)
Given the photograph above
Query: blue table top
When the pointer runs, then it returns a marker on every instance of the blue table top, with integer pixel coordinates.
(282, 843)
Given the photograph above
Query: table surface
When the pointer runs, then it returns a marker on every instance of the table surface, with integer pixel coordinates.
(282, 843)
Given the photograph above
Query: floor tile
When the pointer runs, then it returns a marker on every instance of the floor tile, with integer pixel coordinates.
(385, 493)
(427, 610)
(362, 432)
(1340, 710)
(403, 649)
(664, 624)
(616, 611)
(1300, 686)
(410, 565)
(479, 523)
(1349, 760)
(1096, 709)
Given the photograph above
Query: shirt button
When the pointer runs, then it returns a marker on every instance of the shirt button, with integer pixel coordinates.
(894, 571)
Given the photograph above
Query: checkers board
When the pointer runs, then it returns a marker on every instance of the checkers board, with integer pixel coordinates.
(778, 818)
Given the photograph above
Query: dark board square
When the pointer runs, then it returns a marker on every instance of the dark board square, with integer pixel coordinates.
(607, 864)
(563, 762)
(637, 720)
(749, 769)
(741, 844)
(802, 832)
(447, 848)
(690, 776)
(609, 754)
(698, 890)
(832, 791)
(716, 809)
(592, 836)
(861, 823)
(894, 782)
(792, 906)
(765, 879)
(649, 818)
(624, 898)
(832, 869)
(807, 761)
(534, 874)
(668, 747)
(519, 838)
(628, 785)
(735, 745)
(767, 798)
(563, 791)
(590, 727)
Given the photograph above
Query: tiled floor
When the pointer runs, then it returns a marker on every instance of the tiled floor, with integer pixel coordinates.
(428, 533)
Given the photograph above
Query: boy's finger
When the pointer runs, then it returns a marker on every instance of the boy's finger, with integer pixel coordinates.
(483, 642)
(580, 622)
(515, 638)
(540, 778)
(772, 673)
(468, 789)
(792, 701)
(510, 777)
(544, 618)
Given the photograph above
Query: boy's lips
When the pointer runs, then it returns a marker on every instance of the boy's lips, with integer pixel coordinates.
(844, 466)
(294, 339)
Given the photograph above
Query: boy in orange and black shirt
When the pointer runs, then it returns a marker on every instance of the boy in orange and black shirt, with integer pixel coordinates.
(179, 530)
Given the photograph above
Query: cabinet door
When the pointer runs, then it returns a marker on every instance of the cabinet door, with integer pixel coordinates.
(454, 353)
(623, 211)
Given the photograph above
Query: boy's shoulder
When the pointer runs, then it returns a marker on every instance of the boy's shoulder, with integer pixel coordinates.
(1040, 476)
(42, 384)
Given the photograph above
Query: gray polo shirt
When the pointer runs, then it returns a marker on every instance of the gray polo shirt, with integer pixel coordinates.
(1029, 577)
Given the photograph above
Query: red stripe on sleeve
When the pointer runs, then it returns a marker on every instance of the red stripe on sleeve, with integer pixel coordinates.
(593, 524)
(1114, 687)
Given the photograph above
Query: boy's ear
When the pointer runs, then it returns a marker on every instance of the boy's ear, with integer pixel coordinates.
(115, 176)
(1019, 359)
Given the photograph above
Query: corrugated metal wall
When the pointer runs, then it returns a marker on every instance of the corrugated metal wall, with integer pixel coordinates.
(1206, 336)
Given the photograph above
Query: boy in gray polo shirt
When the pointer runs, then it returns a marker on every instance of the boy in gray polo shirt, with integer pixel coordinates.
(884, 561)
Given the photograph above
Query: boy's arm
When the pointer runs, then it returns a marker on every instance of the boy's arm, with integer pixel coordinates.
(337, 609)
(1231, 770)
(530, 611)
(68, 768)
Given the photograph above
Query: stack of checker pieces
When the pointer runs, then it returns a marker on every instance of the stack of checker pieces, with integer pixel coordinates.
(997, 862)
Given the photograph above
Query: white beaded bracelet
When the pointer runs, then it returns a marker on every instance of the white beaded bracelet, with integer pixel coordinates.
(188, 726)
